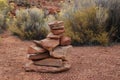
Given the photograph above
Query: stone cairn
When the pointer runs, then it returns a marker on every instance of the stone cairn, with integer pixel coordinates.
(51, 53)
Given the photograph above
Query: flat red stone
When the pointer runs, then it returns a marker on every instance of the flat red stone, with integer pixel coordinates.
(35, 49)
(64, 41)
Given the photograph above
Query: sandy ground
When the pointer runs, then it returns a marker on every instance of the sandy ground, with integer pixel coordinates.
(88, 63)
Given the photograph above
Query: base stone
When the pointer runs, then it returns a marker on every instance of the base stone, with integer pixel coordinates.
(51, 62)
(30, 67)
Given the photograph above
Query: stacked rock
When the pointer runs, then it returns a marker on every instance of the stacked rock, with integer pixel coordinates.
(51, 53)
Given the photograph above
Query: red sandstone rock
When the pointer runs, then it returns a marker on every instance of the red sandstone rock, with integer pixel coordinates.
(58, 31)
(49, 44)
(56, 60)
(38, 56)
(35, 49)
(52, 9)
(61, 52)
(56, 25)
(52, 36)
(64, 41)
(49, 62)
(37, 43)
(30, 67)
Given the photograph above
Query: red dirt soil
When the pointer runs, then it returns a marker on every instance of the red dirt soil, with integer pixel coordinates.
(88, 63)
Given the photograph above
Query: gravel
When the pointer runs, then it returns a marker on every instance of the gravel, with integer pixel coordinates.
(88, 63)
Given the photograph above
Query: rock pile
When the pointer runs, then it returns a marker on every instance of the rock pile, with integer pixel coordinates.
(50, 54)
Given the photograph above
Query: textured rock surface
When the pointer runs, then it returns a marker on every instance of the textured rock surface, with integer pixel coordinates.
(49, 44)
(38, 56)
(56, 25)
(49, 62)
(58, 31)
(35, 49)
(30, 67)
(64, 41)
(52, 36)
(61, 52)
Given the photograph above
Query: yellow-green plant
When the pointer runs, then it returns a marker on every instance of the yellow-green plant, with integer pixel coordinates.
(29, 24)
(1, 21)
(3, 5)
(113, 22)
(4, 8)
(83, 25)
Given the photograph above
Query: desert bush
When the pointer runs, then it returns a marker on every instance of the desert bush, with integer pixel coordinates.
(4, 9)
(112, 24)
(1, 21)
(3, 5)
(29, 24)
(85, 25)
(92, 21)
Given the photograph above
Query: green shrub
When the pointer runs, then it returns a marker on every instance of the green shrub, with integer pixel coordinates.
(83, 25)
(29, 24)
(113, 22)
(4, 9)
(1, 21)
(3, 5)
